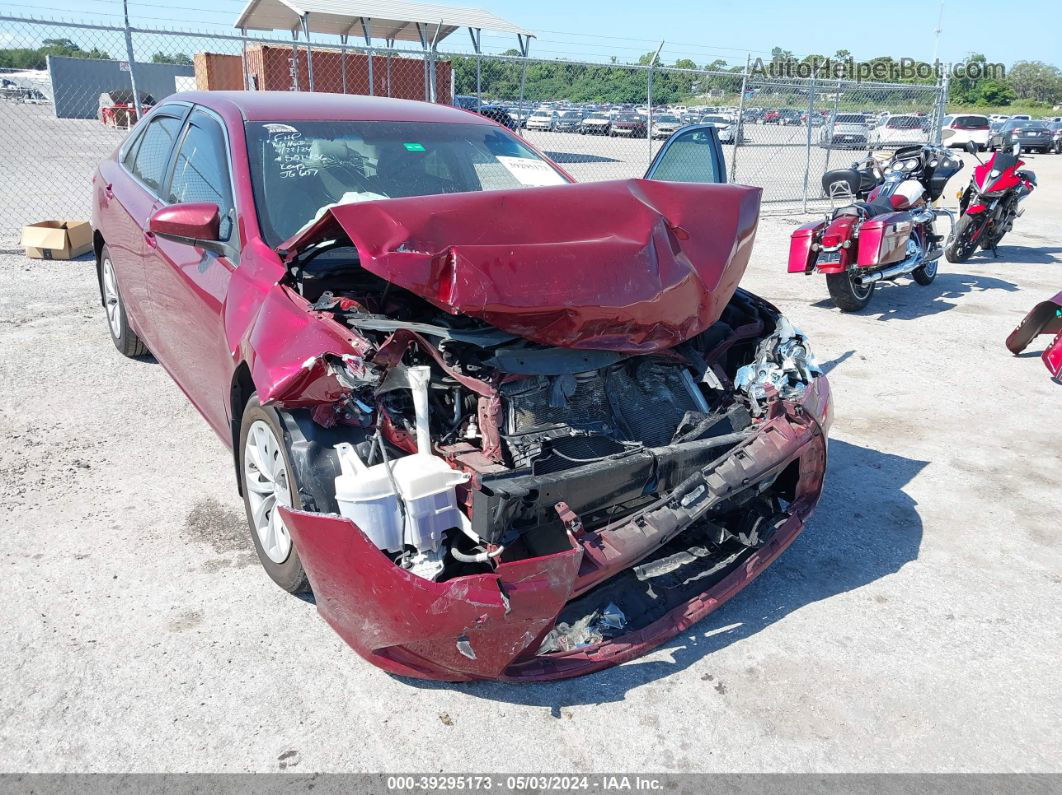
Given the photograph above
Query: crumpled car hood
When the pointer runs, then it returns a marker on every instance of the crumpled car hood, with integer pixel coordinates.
(633, 266)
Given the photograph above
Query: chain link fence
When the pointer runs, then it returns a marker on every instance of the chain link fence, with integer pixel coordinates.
(71, 91)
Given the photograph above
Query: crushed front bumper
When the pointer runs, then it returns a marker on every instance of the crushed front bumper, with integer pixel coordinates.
(490, 626)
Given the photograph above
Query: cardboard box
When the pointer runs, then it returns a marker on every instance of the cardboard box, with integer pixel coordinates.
(57, 239)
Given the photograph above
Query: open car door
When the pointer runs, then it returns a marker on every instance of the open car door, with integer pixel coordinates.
(691, 154)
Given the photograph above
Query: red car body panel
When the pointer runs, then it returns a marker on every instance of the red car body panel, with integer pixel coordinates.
(550, 266)
(1044, 318)
(490, 625)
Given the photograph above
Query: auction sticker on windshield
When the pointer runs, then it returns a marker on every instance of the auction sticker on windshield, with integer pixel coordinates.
(532, 173)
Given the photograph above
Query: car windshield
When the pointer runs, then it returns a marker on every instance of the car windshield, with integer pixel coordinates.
(300, 168)
(667, 118)
(712, 119)
(851, 118)
(570, 114)
(598, 116)
(1030, 125)
(627, 117)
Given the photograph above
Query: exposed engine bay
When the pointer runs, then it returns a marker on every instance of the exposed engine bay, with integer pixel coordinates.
(456, 446)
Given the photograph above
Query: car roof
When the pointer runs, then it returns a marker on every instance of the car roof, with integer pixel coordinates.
(320, 106)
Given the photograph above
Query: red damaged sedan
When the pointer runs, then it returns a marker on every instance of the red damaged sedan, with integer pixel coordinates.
(503, 426)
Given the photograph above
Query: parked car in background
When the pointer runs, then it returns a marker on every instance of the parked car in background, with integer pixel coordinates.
(782, 116)
(542, 119)
(568, 121)
(628, 125)
(1056, 136)
(664, 124)
(498, 114)
(1034, 136)
(596, 124)
(962, 128)
(900, 131)
(845, 131)
(725, 127)
(342, 284)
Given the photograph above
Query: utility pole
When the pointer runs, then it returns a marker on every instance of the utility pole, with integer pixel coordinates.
(936, 34)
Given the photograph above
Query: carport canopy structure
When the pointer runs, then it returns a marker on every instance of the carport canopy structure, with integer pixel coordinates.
(390, 20)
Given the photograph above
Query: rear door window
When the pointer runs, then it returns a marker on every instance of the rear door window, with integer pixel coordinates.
(153, 152)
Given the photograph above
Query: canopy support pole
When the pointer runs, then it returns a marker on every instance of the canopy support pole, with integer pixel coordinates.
(475, 33)
(294, 59)
(343, 61)
(368, 44)
(243, 59)
(309, 50)
(525, 47)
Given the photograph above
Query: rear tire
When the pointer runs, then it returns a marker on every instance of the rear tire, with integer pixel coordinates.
(846, 294)
(927, 273)
(959, 247)
(122, 334)
(267, 478)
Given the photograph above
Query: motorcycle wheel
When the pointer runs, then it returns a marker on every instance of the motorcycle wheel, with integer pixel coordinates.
(846, 294)
(960, 247)
(926, 273)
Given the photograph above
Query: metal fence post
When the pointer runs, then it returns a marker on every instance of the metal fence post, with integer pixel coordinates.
(833, 122)
(525, 47)
(131, 58)
(942, 104)
(741, 117)
(807, 151)
(649, 104)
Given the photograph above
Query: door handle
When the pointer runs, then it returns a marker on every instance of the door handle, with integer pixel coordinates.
(107, 191)
(150, 239)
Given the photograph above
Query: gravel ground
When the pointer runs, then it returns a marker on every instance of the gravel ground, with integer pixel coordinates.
(914, 625)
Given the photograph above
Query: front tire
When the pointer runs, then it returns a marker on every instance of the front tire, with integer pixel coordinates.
(846, 294)
(268, 480)
(960, 247)
(122, 334)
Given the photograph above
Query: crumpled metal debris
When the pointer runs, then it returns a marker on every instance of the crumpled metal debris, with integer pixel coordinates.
(587, 631)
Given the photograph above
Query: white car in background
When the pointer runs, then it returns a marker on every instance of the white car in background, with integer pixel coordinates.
(664, 124)
(961, 128)
(900, 130)
(542, 119)
(725, 127)
(845, 131)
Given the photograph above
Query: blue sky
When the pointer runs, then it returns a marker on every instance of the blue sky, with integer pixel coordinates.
(703, 31)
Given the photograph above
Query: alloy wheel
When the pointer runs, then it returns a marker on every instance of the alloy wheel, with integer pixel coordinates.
(265, 477)
(111, 300)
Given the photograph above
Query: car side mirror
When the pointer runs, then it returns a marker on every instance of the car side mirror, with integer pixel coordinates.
(970, 147)
(1017, 148)
(194, 224)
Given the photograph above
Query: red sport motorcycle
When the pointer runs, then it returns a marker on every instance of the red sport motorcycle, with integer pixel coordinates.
(990, 203)
(1045, 318)
(889, 234)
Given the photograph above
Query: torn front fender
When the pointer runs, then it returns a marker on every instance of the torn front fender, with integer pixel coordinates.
(634, 266)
